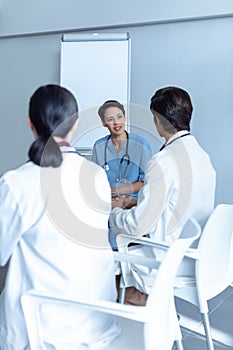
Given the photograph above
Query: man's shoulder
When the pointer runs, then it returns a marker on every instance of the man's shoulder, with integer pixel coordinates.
(161, 159)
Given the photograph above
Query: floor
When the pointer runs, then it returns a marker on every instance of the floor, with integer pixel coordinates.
(221, 319)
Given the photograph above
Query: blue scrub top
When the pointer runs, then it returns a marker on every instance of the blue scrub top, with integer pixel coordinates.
(139, 151)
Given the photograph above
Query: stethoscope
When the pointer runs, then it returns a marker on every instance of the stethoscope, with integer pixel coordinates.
(125, 157)
(179, 137)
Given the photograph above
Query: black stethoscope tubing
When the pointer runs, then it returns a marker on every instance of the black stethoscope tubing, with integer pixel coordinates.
(124, 157)
(169, 143)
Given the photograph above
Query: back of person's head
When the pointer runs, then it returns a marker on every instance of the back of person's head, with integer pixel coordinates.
(53, 111)
(108, 104)
(173, 107)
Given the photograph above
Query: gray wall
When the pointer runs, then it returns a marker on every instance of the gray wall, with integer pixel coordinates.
(25, 16)
(189, 44)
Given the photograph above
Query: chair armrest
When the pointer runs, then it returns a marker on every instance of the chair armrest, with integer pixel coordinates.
(135, 259)
(136, 313)
(192, 253)
(125, 240)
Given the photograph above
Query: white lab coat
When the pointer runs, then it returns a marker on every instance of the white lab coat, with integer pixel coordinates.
(54, 229)
(179, 184)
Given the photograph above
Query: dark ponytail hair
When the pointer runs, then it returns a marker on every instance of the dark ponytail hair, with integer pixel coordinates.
(53, 110)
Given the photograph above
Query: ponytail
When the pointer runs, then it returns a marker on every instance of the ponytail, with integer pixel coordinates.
(45, 152)
(53, 110)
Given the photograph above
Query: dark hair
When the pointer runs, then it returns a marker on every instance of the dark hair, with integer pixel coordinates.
(174, 108)
(108, 104)
(53, 110)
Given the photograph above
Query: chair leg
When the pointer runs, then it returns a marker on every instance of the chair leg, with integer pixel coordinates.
(179, 345)
(206, 323)
(122, 295)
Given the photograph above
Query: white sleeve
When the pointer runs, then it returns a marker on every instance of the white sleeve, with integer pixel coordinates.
(103, 188)
(143, 218)
(11, 227)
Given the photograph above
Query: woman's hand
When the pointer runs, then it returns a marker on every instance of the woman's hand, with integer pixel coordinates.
(124, 202)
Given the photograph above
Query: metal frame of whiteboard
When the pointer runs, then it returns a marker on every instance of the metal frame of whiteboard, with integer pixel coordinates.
(105, 47)
(95, 37)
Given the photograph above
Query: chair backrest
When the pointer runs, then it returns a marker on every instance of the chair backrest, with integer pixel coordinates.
(214, 270)
(161, 333)
(161, 324)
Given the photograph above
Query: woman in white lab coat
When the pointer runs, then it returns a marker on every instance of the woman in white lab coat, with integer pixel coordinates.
(54, 232)
(179, 183)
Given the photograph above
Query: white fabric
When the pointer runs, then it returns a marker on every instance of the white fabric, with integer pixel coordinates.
(179, 183)
(43, 256)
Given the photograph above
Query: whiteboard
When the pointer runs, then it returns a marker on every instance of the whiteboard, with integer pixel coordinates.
(95, 68)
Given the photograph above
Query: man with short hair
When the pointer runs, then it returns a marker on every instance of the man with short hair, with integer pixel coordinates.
(179, 183)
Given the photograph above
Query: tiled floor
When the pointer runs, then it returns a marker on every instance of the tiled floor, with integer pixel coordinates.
(221, 319)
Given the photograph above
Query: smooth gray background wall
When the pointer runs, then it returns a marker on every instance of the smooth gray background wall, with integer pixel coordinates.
(25, 16)
(188, 44)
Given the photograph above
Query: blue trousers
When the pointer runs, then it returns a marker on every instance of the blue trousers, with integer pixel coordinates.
(112, 240)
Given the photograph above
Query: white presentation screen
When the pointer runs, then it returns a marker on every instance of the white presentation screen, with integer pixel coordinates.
(95, 68)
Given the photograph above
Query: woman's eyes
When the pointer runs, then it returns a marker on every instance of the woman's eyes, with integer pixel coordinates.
(111, 120)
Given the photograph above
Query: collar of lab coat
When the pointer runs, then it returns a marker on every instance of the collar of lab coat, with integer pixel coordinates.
(176, 136)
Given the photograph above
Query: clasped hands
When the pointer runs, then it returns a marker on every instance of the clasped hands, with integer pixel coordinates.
(123, 201)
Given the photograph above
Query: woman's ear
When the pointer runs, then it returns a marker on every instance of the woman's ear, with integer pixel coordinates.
(31, 126)
(157, 120)
(103, 123)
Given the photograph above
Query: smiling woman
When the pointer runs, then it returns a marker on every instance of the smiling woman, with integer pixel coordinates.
(123, 156)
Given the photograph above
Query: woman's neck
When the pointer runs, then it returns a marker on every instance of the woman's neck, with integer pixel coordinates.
(63, 144)
(118, 140)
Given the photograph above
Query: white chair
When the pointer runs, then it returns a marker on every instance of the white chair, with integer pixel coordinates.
(158, 317)
(211, 262)
(214, 264)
